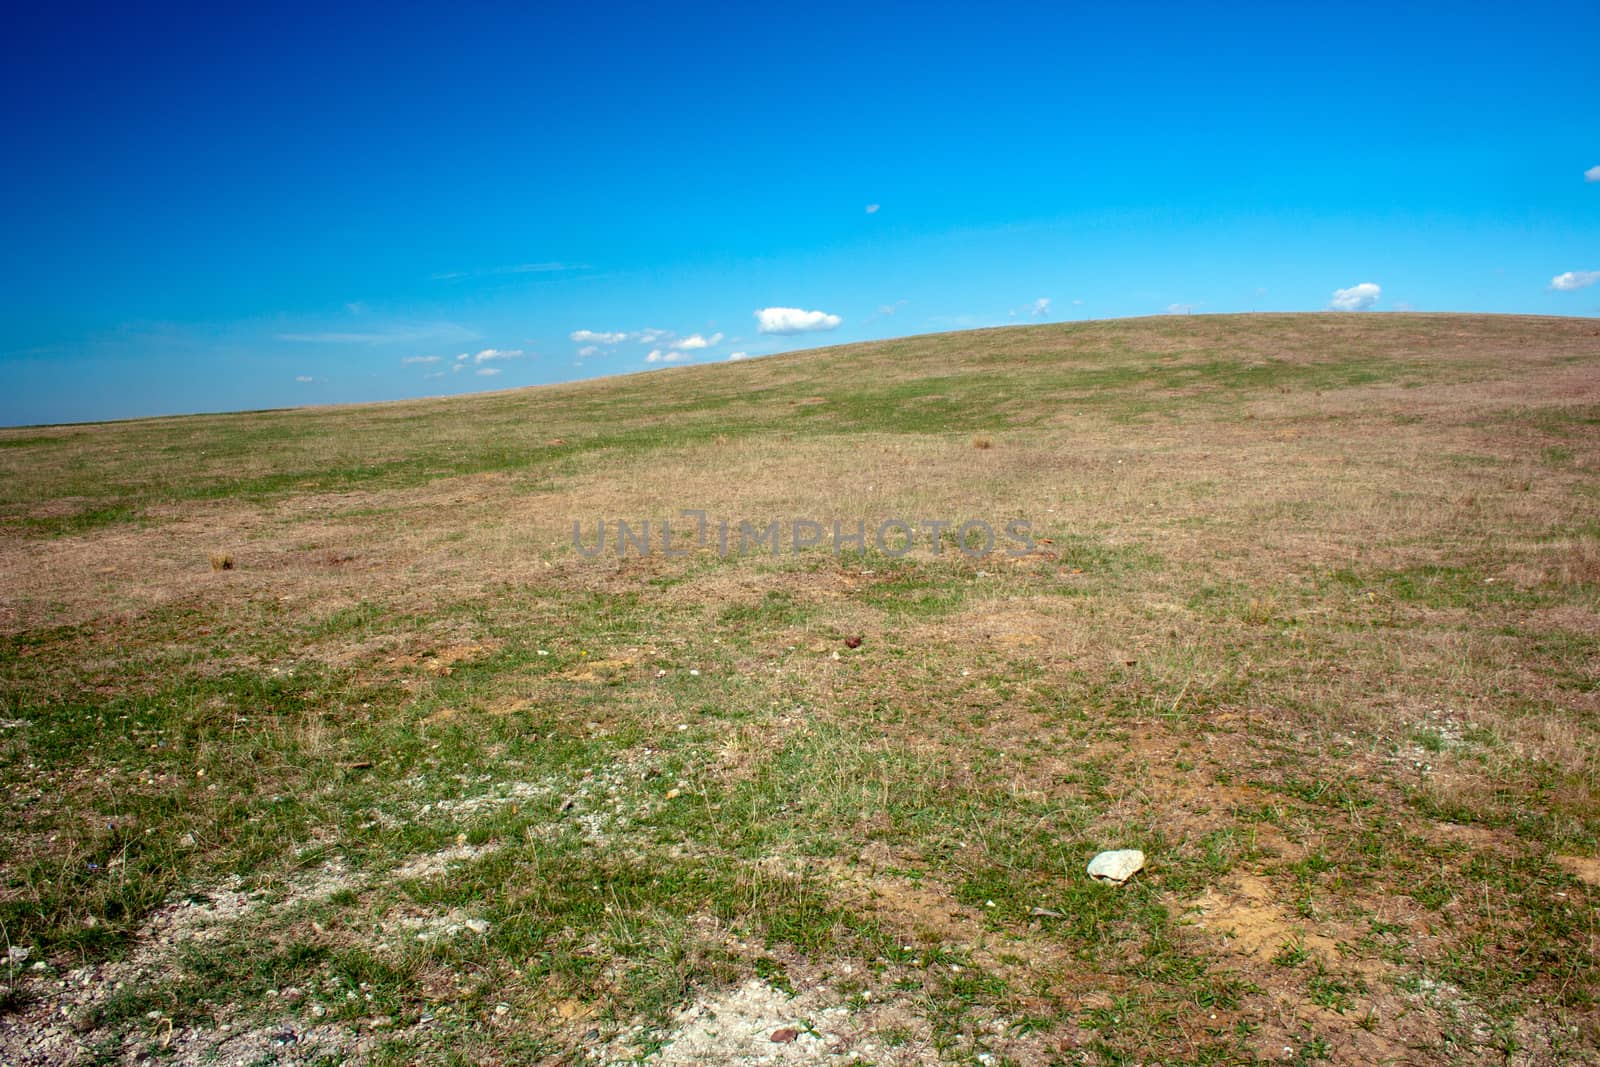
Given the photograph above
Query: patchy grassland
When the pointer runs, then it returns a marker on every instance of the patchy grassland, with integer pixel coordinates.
(1315, 627)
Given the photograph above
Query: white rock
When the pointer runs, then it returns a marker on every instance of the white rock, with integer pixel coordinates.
(1116, 867)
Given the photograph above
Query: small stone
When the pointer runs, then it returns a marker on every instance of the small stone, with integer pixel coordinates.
(477, 926)
(502, 1009)
(1116, 867)
(785, 1035)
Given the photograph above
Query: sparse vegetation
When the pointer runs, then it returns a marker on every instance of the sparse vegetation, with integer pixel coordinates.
(1310, 619)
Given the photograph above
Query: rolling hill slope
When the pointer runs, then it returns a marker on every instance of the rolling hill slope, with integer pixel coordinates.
(318, 723)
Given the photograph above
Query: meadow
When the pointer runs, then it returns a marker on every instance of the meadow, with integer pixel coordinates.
(320, 742)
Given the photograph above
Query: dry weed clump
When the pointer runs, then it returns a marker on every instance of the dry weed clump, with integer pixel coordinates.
(222, 561)
(1578, 562)
(982, 442)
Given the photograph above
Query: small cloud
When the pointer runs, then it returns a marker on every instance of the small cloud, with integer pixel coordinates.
(1402, 305)
(1041, 307)
(1180, 309)
(735, 356)
(496, 353)
(304, 379)
(434, 374)
(421, 359)
(488, 372)
(658, 355)
(890, 309)
(1592, 174)
(794, 320)
(1356, 298)
(695, 340)
(588, 350)
(651, 336)
(872, 209)
(596, 337)
(1573, 280)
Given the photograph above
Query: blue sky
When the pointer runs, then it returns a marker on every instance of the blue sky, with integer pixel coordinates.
(206, 211)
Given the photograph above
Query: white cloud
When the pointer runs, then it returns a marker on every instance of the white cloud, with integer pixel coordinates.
(421, 359)
(488, 371)
(1041, 307)
(1592, 174)
(1573, 280)
(659, 356)
(588, 350)
(794, 320)
(890, 309)
(650, 336)
(1180, 309)
(1356, 298)
(497, 353)
(303, 378)
(735, 356)
(872, 209)
(596, 337)
(695, 340)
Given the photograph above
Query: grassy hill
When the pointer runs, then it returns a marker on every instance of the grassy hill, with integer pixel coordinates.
(319, 738)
